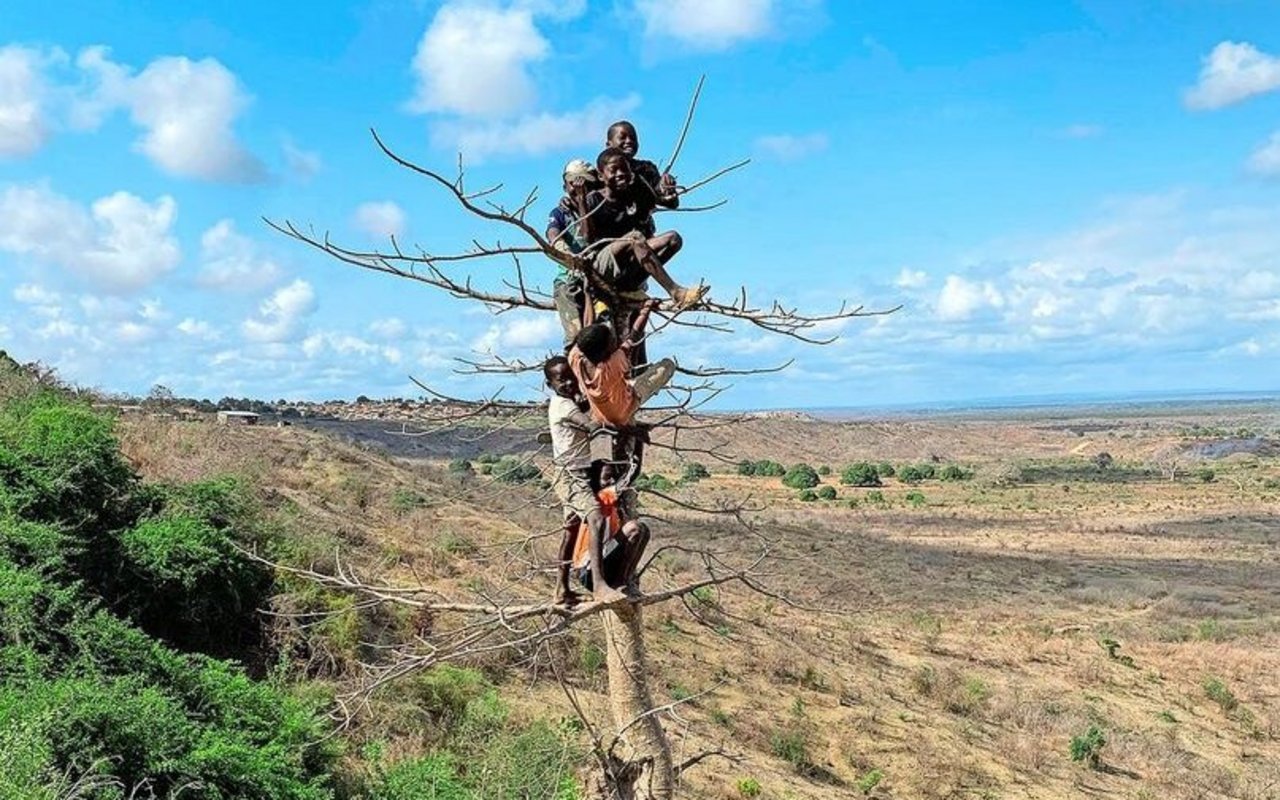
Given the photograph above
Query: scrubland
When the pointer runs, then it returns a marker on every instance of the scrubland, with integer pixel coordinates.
(1036, 626)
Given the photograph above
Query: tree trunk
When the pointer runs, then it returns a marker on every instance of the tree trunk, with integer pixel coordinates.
(644, 771)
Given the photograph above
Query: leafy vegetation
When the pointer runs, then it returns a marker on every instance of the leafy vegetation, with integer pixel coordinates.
(1087, 747)
(827, 493)
(860, 474)
(801, 476)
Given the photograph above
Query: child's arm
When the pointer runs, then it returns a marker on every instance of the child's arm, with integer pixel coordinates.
(668, 197)
(636, 332)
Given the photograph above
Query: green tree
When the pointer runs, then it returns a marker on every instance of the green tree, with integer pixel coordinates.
(801, 476)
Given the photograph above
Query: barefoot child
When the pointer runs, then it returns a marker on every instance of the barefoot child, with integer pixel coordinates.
(614, 227)
(627, 537)
(571, 429)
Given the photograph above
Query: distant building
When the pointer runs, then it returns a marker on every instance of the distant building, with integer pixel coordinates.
(237, 418)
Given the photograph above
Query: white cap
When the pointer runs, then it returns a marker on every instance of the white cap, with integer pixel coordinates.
(577, 168)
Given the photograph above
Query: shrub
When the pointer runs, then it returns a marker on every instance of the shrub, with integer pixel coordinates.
(1103, 461)
(1087, 747)
(875, 496)
(807, 496)
(1206, 475)
(824, 470)
(801, 476)
(792, 747)
(445, 691)
(769, 469)
(749, 787)
(405, 501)
(460, 466)
(1220, 693)
(510, 469)
(867, 783)
(911, 474)
(487, 458)
(860, 474)
(953, 472)
(916, 499)
(746, 467)
(431, 777)
(694, 472)
(656, 482)
(885, 469)
(826, 493)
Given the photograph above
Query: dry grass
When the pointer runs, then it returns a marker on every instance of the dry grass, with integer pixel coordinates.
(961, 651)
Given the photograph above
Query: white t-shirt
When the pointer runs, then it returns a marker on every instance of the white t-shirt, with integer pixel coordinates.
(570, 433)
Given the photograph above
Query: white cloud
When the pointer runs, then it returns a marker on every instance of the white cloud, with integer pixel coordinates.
(534, 134)
(380, 219)
(473, 60)
(24, 126)
(302, 164)
(1081, 130)
(390, 328)
(35, 295)
(911, 279)
(786, 147)
(346, 345)
(1265, 160)
(281, 315)
(186, 108)
(519, 332)
(1231, 73)
(133, 333)
(707, 24)
(197, 329)
(122, 243)
(961, 298)
(230, 261)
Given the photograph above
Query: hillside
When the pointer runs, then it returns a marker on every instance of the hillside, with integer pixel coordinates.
(951, 639)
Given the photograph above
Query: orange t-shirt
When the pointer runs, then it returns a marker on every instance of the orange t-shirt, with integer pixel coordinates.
(613, 400)
(608, 497)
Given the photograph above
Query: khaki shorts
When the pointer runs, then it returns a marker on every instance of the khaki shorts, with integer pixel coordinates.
(574, 491)
(622, 274)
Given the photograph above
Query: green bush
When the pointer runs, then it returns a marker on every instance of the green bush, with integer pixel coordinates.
(824, 470)
(826, 493)
(913, 474)
(656, 482)
(769, 469)
(860, 474)
(807, 496)
(868, 782)
(885, 469)
(954, 472)
(460, 466)
(1220, 693)
(801, 476)
(1087, 747)
(510, 469)
(746, 467)
(1206, 475)
(876, 496)
(432, 777)
(405, 501)
(916, 499)
(694, 472)
(749, 787)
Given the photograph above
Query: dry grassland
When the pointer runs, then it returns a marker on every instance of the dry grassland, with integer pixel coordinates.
(950, 646)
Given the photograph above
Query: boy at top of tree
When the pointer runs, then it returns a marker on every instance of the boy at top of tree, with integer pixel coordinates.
(622, 136)
(564, 235)
(613, 220)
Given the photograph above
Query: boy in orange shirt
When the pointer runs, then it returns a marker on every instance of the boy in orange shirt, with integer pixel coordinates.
(602, 365)
(626, 539)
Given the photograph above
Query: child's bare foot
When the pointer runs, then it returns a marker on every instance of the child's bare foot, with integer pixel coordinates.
(566, 599)
(609, 596)
(686, 298)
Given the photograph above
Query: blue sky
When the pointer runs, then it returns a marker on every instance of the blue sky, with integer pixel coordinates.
(1065, 197)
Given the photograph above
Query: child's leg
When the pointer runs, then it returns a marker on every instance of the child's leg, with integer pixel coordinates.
(655, 376)
(568, 309)
(602, 591)
(572, 522)
(669, 243)
(666, 245)
(636, 538)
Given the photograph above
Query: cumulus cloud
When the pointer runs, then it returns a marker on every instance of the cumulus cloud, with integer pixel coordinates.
(786, 147)
(187, 110)
(1231, 73)
(120, 244)
(961, 298)
(519, 333)
(230, 261)
(281, 316)
(303, 165)
(534, 134)
(707, 24)
(911, 279)
(474, 60)
(1265, 160)
(389, 328)
(197, 329)
(380, 219)
(35, 295)
(24, 125)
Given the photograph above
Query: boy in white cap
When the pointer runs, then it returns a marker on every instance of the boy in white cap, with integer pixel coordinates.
(565, 234)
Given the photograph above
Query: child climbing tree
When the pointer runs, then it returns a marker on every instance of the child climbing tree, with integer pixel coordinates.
(633, 756)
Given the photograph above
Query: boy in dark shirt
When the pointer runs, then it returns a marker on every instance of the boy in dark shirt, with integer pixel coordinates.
(613, 221)
(622, 136)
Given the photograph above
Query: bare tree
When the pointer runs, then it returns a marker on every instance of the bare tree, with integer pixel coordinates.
(635, 760)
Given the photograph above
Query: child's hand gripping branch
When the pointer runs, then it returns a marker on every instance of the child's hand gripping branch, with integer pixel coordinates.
(616, 222)
(622, 136)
